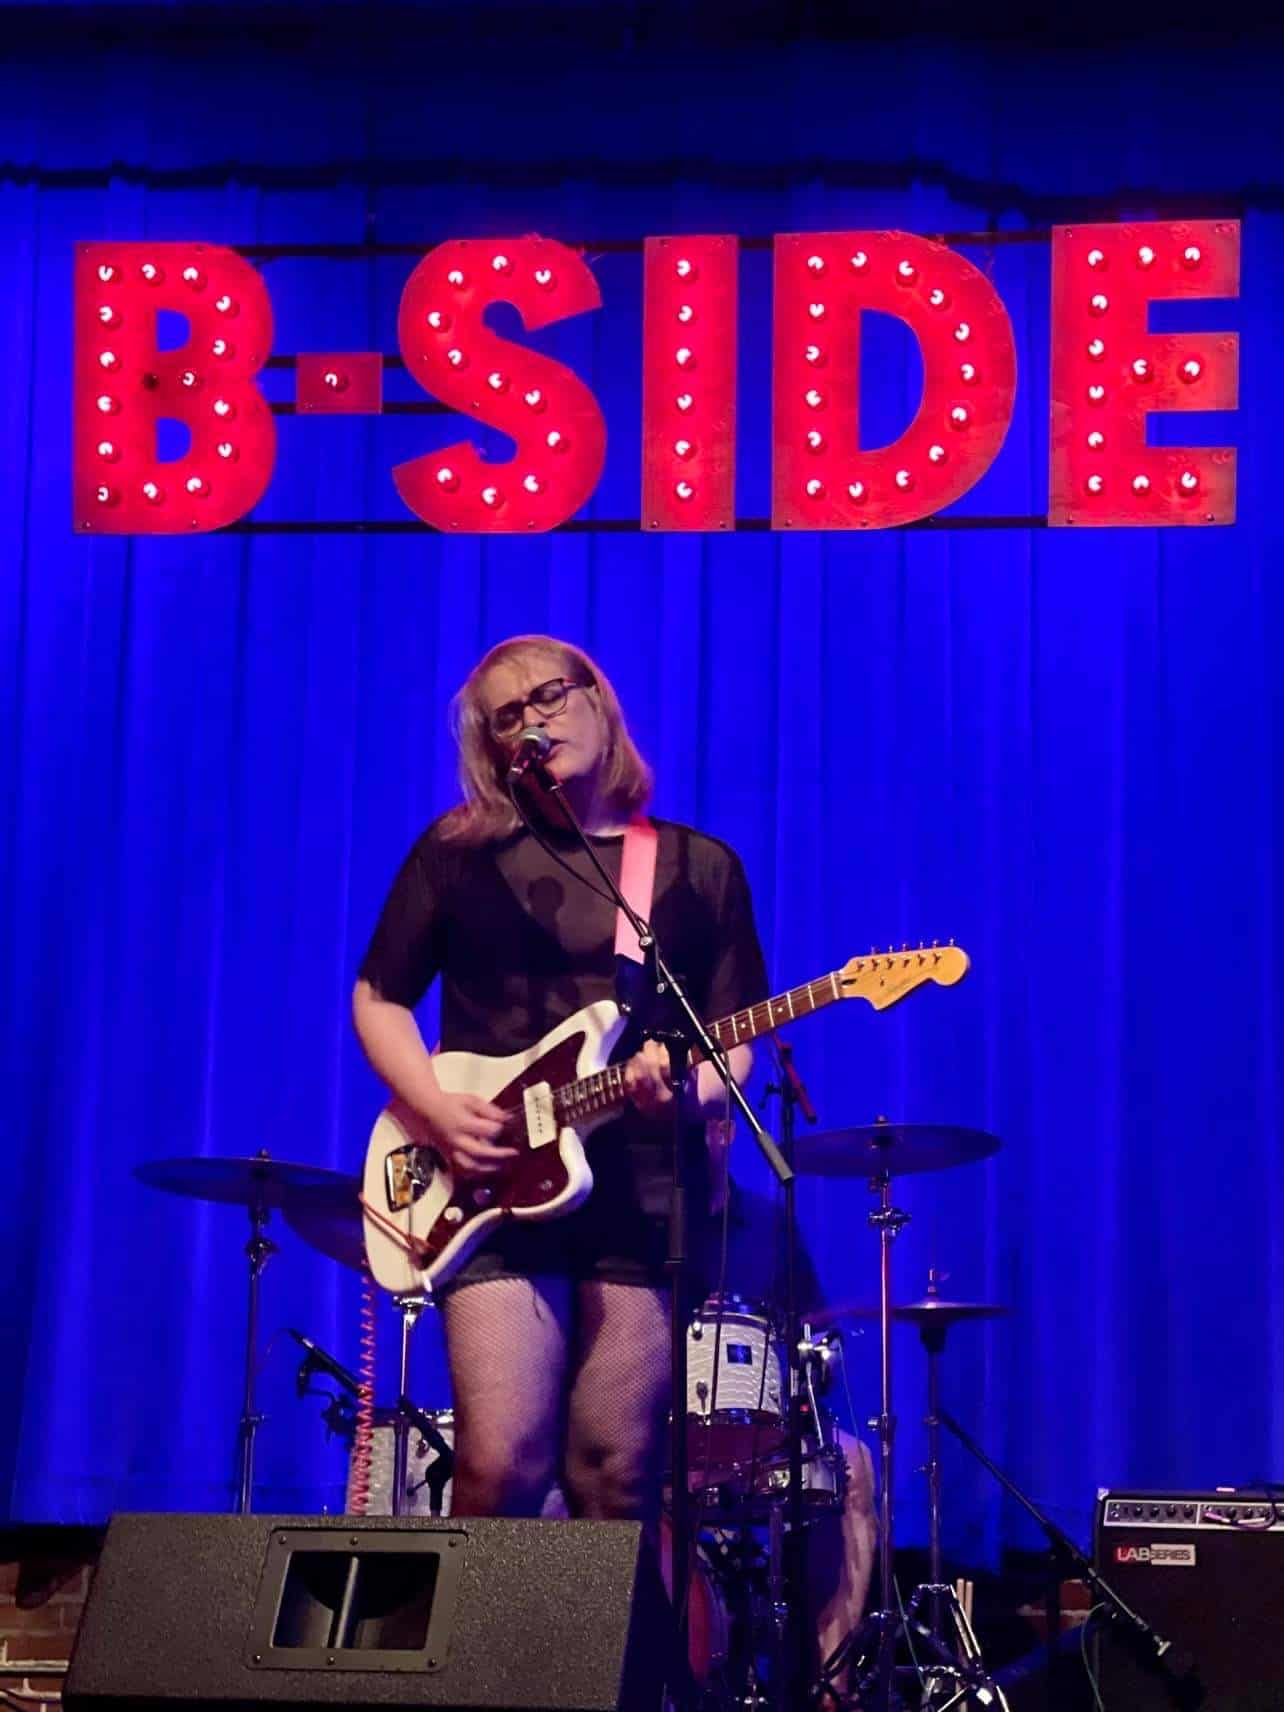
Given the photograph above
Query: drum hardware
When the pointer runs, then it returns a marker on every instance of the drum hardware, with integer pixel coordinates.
(879, 1152)
(260, 1184)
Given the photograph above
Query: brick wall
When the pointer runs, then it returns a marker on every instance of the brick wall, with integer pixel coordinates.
(44, 1577)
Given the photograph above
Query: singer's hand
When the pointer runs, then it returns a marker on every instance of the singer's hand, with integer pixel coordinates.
(646, 1080)
(464, 1128)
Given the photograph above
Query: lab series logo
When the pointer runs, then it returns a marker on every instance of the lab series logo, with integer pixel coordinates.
(1165, 1554)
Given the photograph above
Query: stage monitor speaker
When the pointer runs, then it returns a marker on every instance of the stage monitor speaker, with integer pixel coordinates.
(234, 1612)
(1206, 1571)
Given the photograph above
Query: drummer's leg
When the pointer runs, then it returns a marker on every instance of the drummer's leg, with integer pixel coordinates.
(841, 1552)
(619, 1401)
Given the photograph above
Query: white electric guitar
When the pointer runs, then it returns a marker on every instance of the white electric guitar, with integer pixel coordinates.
(422, 1223)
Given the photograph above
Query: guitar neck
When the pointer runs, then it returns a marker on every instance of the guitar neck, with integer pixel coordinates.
(592, 1096)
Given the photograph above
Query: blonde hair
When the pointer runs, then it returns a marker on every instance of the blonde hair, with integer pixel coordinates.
(486, 813)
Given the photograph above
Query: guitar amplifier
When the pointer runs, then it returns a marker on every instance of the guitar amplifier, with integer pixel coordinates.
(1206, 1571)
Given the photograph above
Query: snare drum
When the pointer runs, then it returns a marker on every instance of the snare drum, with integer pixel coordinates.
(428, 1477)
(735, 1390)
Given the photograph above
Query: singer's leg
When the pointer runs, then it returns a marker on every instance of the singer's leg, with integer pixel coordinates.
(619, 1401)
(507, 1341)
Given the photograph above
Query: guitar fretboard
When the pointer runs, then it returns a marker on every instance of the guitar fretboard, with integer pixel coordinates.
(599, 1093)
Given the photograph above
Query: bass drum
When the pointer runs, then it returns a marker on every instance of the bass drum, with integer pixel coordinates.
(708, 1622)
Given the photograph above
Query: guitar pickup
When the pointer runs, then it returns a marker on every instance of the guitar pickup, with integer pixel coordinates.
(541, 1119)
(403, 1177)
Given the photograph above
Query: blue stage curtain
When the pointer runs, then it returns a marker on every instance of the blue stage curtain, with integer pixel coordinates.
(1062, 749)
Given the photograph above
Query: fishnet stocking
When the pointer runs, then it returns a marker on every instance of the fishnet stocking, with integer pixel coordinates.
(619, 1401)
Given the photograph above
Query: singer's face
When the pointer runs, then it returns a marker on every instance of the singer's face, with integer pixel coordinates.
(577, 731)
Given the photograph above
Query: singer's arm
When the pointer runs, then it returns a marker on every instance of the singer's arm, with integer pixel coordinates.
(463, 1126)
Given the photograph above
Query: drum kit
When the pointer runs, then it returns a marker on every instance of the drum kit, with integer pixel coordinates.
(739, 1380)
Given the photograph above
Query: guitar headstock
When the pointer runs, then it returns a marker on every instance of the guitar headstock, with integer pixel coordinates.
(886, 976)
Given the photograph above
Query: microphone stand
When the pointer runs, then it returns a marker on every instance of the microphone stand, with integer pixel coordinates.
(796, 1662)
(682, 1030)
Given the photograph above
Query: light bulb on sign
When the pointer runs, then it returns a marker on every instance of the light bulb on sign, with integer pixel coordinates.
(939, 299)
(969, 374)
(108, 316)
(1191, 256)
(1096, 395)
(856, 491)
(1096, 349)
(106, 272)
(686, 314)
(1098, 303)
(963, 332)
(1096, 258)
(1189, 482)
(1191, 369)
(153, 492)
(813, 354)
(151, 273)
(936, 454)
(684, 269)
(555, 440)
(225, 305)
(1141, 484)
(224, 409)
(106, 495)
(816, 264)
(685, 357)
(1095, 484)
(532, 484)
(684, 402)
(905, 272)
(816, 311)
(221, 349)
(107, 451)
(860, 261)
(815, 488)
(496, 381)
(456, 278)
(904, 480)
(197, 485)
(814, 398)
(190, 378)
(815, 440)
(683, 448)
(534, 398)
(1096, 440)
(447, 478)
(491, 496)
(438, 320)
(960, 416)
(501, 264)
(544, 278)
(456, 358)
(107, 404)
(335, 381)
(683, 489)
(109, 360)
(227, 450)
(194, 277)
(1141, 369)
(1145, 256)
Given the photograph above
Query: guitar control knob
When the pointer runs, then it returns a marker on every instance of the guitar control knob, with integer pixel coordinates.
(453, 1215)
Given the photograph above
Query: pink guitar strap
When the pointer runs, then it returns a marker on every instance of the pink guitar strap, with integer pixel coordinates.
(637, 882)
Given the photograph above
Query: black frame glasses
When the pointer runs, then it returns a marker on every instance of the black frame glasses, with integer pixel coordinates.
(546, 699)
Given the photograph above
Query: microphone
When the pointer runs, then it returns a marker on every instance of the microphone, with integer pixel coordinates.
(318, 1360)
(531, 746)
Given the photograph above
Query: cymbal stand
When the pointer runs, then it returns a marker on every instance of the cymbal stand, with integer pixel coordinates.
(410, 1306)
(258, 1251)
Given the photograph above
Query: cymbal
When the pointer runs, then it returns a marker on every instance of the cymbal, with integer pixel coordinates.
(930, 1310)
(336, 1231)
(249, 1182)
(868, 1150)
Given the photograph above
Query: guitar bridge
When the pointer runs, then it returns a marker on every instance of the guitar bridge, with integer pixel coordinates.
(405, 1177)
